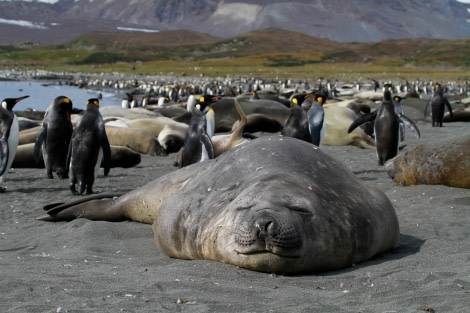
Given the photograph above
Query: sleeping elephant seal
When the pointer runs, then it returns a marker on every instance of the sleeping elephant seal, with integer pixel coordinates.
(136, 139)
(338, 119)
(120, 157)
(445, 162)
(275, 204)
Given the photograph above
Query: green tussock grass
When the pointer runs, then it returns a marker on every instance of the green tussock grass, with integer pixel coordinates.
(290, 55)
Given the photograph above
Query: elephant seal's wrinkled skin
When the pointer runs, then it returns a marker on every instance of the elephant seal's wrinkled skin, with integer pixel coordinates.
(445, 162)
(275, 204)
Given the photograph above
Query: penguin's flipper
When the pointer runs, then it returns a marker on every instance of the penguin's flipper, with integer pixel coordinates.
(69, 154)
(40, 139)
(106, 153)
(427, 107)
(207, 145)
(449, 107)
(366, 118)
(4, 152)
(410, 124)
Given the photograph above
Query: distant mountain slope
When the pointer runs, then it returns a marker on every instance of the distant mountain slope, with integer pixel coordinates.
(289, 48)
(59, 21)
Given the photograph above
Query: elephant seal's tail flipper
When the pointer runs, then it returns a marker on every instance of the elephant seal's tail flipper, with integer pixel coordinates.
(94, 208)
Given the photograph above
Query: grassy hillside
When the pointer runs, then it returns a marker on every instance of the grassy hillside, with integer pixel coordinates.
(265, 53)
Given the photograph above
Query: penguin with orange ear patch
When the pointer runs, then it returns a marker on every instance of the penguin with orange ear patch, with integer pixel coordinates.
(316, 120)
(296, 125)
(88, 148)
(438, 103)
(386, 127)
(54, 138)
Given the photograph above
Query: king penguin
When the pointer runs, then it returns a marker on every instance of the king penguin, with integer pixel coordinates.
(197, 142)
(438, 103)
(316, 120)
(54, 138)
(191, 103)
(296, 125)
(396, 102)
(386, 127)
(88, 147)
(9, 136)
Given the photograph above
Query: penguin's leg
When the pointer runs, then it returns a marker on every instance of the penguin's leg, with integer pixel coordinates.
(61, 173)
(46, 161)
(73, 181)
(81, 187)
(89, 185)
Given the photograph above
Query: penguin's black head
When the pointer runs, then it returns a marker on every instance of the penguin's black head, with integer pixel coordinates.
(296, 100)
(63, 103)
(398, 98)
(388, 87)
(92, 104)
(207, 100)
(320, 98)
(9, 103)
(387, 95)
(299, 98)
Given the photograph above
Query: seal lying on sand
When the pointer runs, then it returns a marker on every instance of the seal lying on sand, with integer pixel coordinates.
(445, 162)
(120, 157)
(275, 204)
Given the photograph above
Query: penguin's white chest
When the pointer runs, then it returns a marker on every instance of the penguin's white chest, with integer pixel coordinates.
(12, 145)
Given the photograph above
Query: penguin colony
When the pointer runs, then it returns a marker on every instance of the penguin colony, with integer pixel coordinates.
(76, 150)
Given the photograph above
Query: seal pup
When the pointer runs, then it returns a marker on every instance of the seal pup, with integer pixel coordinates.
(54, 138)
(442, 162)
(386, 127)
(257, 206)
(9, 136)
(438, 102)
(89, 145)
(197, 145)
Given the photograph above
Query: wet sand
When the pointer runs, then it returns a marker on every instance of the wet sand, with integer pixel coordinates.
(87, 266)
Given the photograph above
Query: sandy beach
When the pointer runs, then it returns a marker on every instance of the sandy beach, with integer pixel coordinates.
(87, 266)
